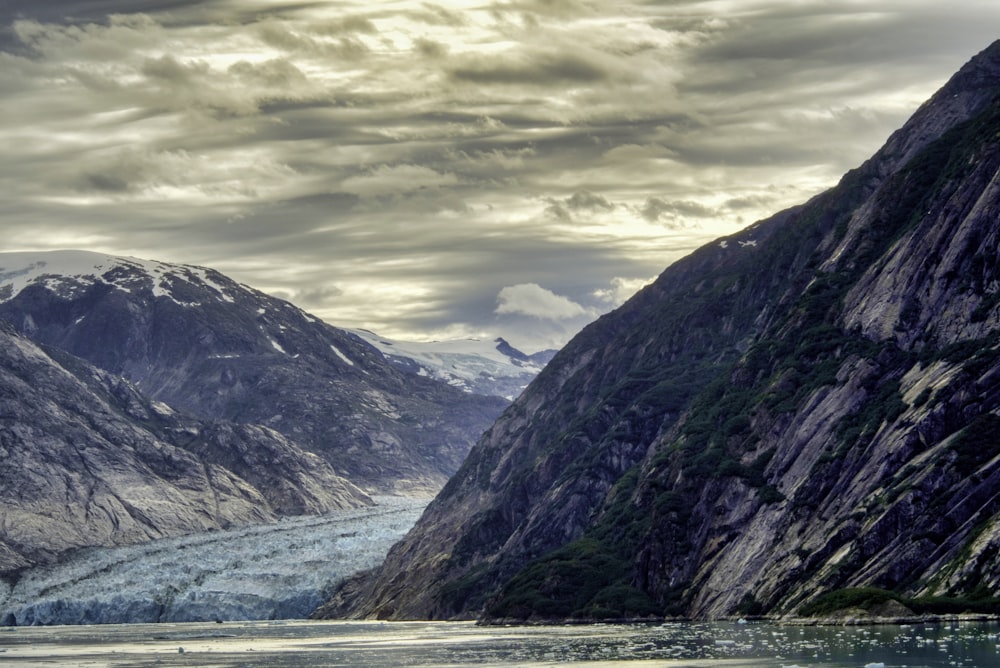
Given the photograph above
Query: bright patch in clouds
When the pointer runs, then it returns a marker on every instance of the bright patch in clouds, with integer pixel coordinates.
(397, 165)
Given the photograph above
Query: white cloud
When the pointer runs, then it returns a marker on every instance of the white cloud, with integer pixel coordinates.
(621, 289)
(533, 300)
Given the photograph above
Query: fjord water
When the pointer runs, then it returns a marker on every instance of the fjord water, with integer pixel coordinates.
(439, 644)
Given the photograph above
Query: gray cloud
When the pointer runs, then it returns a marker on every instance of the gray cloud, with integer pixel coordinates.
(535, 69)
(437, 15)
(677, 211)
(398, 166)
(588, 200)
(429, 48)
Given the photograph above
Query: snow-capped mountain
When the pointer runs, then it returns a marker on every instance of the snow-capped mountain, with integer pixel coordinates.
(474, 365)
(69, 273)
(203, 344)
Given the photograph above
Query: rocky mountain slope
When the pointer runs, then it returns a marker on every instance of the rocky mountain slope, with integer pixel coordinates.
(199, 342)
(492, 368)
(810, 405)
(87, 460)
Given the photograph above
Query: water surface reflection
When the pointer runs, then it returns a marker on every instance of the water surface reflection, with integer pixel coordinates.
(303, 643)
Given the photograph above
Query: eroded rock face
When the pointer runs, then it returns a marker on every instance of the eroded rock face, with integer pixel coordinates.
(86, 460)
(808, 405)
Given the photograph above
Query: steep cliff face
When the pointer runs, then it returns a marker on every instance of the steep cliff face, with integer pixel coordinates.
(809, 405)
(203, 344)
(86, 460)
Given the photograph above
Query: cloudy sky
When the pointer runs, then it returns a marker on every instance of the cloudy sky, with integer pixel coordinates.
(447, 169)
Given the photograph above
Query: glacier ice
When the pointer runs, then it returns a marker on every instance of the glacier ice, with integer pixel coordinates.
(282, 570)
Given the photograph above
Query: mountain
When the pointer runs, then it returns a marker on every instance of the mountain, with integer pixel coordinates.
(201, 343)
(87, 460)
(809, 406)
(492, 368)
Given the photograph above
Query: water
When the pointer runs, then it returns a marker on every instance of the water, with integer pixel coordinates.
(440, 644)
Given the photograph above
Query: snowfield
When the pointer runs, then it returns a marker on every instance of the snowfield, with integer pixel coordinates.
(472, 365)
(276, 571)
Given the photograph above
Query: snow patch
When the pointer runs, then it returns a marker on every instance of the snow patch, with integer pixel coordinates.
(277, 346)
(161, 408)
(341, 355)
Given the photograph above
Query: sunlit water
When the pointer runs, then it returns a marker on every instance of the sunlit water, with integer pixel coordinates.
(303, 643)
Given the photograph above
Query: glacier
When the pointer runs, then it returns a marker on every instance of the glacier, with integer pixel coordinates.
(479, 366)
(282, 570)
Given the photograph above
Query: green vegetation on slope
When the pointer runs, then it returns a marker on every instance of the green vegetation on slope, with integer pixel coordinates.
(871, 599)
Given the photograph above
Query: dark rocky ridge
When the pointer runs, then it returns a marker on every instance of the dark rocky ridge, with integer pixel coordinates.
(808, 405)
(86, 460)
(205, 345)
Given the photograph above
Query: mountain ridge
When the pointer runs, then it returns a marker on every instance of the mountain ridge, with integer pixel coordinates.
(781, 413)
(198, 341)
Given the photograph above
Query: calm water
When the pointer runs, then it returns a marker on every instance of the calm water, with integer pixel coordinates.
(304, 643)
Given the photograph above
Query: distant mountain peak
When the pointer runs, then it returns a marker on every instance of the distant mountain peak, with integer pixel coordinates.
(68, 272)
(200, 342)
(472, 365)
(509, 350)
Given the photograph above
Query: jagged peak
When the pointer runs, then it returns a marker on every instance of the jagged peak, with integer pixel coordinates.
(510, 351)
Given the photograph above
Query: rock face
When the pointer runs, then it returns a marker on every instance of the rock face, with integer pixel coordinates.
(201, 343)
(86, 460)
(809, 405)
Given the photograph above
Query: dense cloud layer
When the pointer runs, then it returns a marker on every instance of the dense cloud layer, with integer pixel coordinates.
(464, 168)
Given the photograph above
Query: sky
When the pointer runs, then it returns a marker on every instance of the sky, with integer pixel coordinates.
(437, 170)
